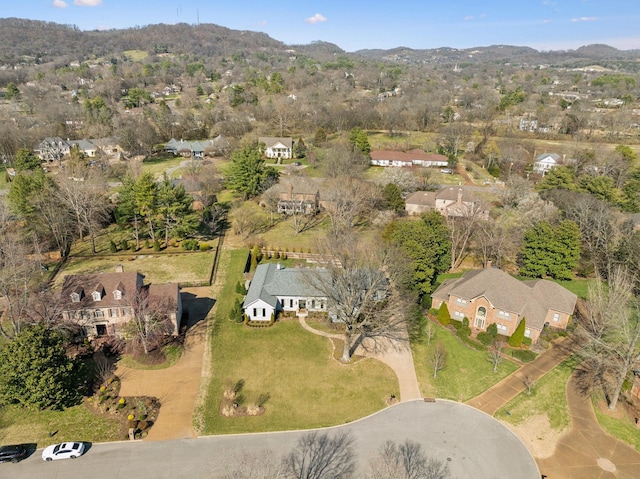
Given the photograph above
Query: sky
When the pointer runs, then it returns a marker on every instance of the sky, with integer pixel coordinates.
(359, 24)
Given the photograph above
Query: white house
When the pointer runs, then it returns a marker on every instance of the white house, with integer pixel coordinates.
(275, 288)
(277, 147)
(545, 162)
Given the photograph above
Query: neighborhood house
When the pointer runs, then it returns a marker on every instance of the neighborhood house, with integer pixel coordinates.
(277, 147)
(452, 201)
(407, 158)
(102, 303)
(545, 162)
(275, 289)
(490, 295)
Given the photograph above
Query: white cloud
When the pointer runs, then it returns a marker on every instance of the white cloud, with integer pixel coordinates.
(317, 18)
(87, 3)
(60, 4)
(468, 17)
(546, 20)
(261, 23)
(584, 19)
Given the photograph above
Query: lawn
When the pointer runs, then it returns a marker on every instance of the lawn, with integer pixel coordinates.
(157, 166)
(307, 387)
(624, 430)
(282, 236)
(467, 374)
(178, 267)
(19, 425)
(577, 286)
(548, 397)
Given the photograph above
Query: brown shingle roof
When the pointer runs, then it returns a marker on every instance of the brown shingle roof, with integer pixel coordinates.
(108, 282)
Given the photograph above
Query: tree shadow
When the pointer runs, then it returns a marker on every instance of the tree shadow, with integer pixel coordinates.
(195, 309)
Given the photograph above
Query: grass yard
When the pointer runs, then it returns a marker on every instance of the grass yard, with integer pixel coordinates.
(548, 397)
(157, 166)
(172, 353)
(282, 236)
(577, 286)
(19, 425)
(624, 430)
(179, 267)
(467, 374)
(308, 389)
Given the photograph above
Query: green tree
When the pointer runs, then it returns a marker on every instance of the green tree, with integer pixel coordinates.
(24, 187)
(247, 174)
(426, 243)
(443, 314)
(560, 177)
(26, 160)
(175, 210)
(145, 192)
(35, 370)
(12, 91)
(515, 340)
(320, 138)
(300, 150)
(359, 141)
(392, 198)
(137, 97)
(550, 250)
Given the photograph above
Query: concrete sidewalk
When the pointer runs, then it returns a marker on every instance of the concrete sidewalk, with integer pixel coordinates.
(504, 391)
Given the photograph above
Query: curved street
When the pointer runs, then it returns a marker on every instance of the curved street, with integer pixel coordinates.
(472, 443)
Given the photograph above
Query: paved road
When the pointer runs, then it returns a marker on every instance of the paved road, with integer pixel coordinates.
(473, 444)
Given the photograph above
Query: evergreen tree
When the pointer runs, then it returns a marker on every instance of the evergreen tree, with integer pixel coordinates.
(247, 174)
(392, 198)
(443, 314)
(359, 141)
(26, 160)
(320, 138)
(550, 251)
(515, 340)
(35, 370)
(300, 149)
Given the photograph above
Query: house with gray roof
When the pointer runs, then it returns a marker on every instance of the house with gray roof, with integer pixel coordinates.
(275, 289)
(488, 296)
(546, 162)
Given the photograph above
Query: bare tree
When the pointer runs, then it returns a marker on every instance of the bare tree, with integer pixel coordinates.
(494, 354)
(611, 331)
(462, 226)
(262, 465)
(438, 359)
(429, 332)
(361, 280)
(85, 197)
(406, 461)
(529, 383)
(270, 200)
(151, 319)
(346, 199)
(321, 456)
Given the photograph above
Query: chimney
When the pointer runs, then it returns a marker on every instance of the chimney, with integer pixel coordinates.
(291, 191)
(459, 195)
(119, 268)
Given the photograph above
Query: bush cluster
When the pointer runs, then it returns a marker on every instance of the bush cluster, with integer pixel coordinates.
(190, 245)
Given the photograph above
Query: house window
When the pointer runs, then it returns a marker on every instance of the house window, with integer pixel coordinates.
(75, 297)
(96, 296)
(556, 317)
(527, 333)
(264, 312)
(504, 314)
(461, 301)
(321, 304)
(313, 304)
(459, 315)
(255, 312)
(113, 312)
(117, 294)
(291, 303)
(502, 329)
(98, 313)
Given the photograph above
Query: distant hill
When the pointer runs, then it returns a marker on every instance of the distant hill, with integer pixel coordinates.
(46, 41)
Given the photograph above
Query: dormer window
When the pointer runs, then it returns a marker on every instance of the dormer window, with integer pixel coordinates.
(96, 296)
(75, 297)
(117, 294)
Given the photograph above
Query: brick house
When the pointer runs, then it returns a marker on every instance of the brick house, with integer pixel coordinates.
(490, 295)
(102, 303)
(448, 201)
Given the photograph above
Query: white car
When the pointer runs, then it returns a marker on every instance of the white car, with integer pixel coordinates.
(65, 450)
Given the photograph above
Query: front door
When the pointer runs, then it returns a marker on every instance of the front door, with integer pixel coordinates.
(101, 329)
(481, 315)
(302, 304)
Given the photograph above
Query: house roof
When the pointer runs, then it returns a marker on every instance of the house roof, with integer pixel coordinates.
(298, 185)
(86, 284)
(271, 141)
(554, 156)
(269, 282)
(422, 198)
(531, 299)
(449, 193)
(411, 155)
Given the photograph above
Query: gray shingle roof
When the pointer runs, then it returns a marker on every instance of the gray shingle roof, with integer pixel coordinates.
(269, 282)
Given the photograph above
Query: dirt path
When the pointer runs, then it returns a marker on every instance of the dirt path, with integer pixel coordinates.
(177, 386)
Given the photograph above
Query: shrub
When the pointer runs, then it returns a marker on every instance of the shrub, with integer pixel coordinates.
(133, 247)
(492, 330)
(465, 322)
(518, 335)
(190, 245)
(205, 247)
(443, 315)
(236, 313)
(425, 301)
(464, 331)
(485, 338)
(524, 355)
(113, 247)
(147, 244)
(124, 245)
(527, 341)
(156, 245)
(240, 288)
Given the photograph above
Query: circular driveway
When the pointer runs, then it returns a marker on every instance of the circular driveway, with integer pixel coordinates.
(473, 444)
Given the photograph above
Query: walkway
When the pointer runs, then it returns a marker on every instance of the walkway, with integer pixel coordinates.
(585, 451)
(176, 387)
(504, 391)
(397, 357)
